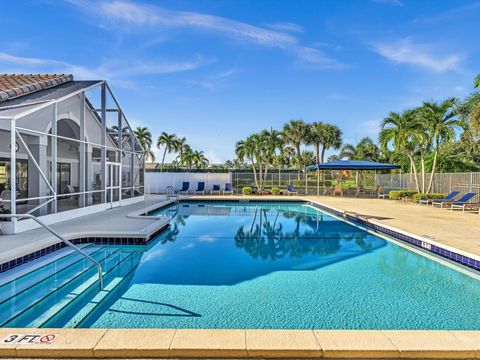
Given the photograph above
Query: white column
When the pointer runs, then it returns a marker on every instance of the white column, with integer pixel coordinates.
(54, 157)
(81, 172)
(89, 175)
(103, 140)
(37, 185)
(13, 173)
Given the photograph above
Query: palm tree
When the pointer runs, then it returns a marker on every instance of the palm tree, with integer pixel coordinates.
(271, 141)
(364, 150)
(187, 157)
(248, 149)
(199, 159)
(441, 122)
(402, 131)
(144, 137)
(475, 112)
(180, 145)
(168, 141)
(325, 136)
(295, 134)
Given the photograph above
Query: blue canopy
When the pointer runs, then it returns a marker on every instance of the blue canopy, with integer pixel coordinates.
(352, 165)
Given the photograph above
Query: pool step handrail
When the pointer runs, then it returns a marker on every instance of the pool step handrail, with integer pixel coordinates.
(172, 193)
(67, 242)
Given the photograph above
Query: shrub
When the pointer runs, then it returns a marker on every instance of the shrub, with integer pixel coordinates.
(416, 198)
(247, 190)
(400, 194)
(275, 190)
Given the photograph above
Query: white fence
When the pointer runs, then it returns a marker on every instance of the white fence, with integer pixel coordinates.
(442, 183)
(157, 182)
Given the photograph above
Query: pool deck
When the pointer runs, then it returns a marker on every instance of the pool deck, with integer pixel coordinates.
(117, 222)
(457, 230)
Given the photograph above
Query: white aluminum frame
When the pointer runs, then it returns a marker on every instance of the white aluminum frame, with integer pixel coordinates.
(52, 184)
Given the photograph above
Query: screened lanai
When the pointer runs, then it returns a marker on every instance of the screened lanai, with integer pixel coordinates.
(73, 149)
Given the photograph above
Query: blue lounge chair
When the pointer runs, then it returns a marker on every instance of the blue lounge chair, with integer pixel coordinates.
(228, 189)
(463, 203)
(291, 190)
(185, 188)
(464, 199)
(215, 189)
(450, 196)
(200, 188)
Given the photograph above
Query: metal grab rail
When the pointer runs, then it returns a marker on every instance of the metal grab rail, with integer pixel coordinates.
(76, 248)
(172, 192)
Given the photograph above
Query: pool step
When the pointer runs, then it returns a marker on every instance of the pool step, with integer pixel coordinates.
(41, 271)
(91, 302)
(53, 286)
(69, 302)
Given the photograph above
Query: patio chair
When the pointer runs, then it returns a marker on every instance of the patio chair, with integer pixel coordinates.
(228, 189)
(337, 189)
(450, 196)
(464, 204)
(360, 190)
(291, 190)
(185, 188)
(200, 188)
(215, 190)
(380, 192)
(464, 199)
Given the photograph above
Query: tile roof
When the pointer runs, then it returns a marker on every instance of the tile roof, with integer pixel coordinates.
(15, 85)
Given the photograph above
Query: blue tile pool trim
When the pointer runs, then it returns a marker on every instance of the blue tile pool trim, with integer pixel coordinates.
(85, 240)
(425, 246)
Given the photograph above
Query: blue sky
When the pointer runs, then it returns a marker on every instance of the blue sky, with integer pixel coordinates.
(217, 71)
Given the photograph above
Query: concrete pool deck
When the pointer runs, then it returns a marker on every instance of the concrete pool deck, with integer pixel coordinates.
(453, 229)
(117, 222)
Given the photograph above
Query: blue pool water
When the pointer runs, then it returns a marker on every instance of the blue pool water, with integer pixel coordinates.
(259, 265)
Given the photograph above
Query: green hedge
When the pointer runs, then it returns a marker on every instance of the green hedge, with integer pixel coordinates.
(247, 190)
(416, 198)
(275, 190)
(400, 194)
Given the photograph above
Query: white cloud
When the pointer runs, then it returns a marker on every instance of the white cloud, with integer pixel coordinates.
(8, 58)
(286, 26)
(405, 51)
(128, 16)
(113, 70)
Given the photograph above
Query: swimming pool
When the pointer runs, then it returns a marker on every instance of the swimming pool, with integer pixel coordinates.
(245, 265)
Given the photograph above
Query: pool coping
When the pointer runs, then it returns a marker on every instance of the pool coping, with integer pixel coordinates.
(216, 343)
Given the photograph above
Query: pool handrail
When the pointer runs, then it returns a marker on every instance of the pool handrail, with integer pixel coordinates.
(65, 241)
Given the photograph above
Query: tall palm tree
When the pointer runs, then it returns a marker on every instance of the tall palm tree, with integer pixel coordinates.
(199, 159)
(442, 122)
(187, 157)
(144, 137)
(247, 149)
(168, 141)
(295, 134)
(475, 111)
(272, 141)
(364, 150)
(402, 131)
(324, 136)
(180, 145)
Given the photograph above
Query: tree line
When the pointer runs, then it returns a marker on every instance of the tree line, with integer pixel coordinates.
(437, 136)
(171, 144)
